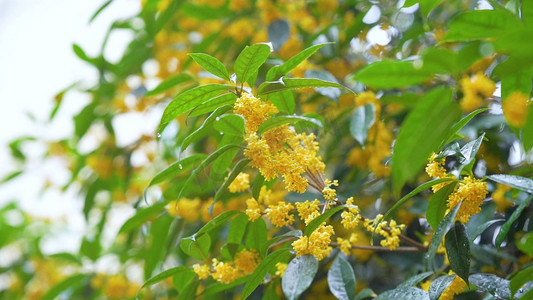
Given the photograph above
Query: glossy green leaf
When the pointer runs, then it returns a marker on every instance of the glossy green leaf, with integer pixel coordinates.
(177, 168)
(438, 204)
(321, 219)
(239, 166)
(231, 124)
(404, 293)
(204, 128)
(440, 232)
(421, 133)
(211, 105)
(415, 280)
(459, 125)
(479, 24)
(492, 284)
(440, 60)
(283, 84)
(504, 230)
(181, 280)
(256, 236)
(522, 183)
(388, 74)
(276, 72)
(469, 150)
(288, 119)
(458, 250)
(74, 281)
(210, 64)
(165, 274)
(196, 246)
(284, 101)
(360, 122)
(522, 277)
(293, 233)
(189, 99)
(142, 216)
(217, 221)
(526, 244)
(330, 92)
(237, 228)
(341, 279)
(218, 287)
(222, 164)
(80, 53)
(99, 10)
(189, 292)
(439, 285)
(299, 275)
(168, 84)
(249, 60)
(159, 232)
(260, 272)
(479, 230)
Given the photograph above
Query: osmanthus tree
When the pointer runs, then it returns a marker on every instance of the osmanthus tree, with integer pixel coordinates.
(326, 149)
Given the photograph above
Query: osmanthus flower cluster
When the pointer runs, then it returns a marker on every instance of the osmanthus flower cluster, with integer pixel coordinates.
(245, 263)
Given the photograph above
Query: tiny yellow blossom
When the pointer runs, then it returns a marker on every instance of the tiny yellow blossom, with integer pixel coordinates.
(254, 111)
(253, 210)
(247, 261)
(351, 216)
(240, 183)
(308, 211)
(472, 192)
(281, 267)
(498, 196)
(279, 214)
(186, 208)
(425, 285)
(344, 245)
(202, 271)
(224, 272)
(474, 90)
(317, 244)
(435, 168)
(515, 109)
(457, 286)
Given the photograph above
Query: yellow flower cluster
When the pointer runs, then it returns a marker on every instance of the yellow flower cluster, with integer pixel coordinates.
(436, 169)
(115, 286)
(280, 151)
(350, 217)
(240, 184)
(280, 269)
(253, 209)
(498, 196)
(457, 286)
(245, 263)
(474, 89)
(472, 192)
(317, 244)
(308, 211)
(344, 245)
(515, 109)
(391, 233)
(329, 193)
(202, 271)
(186, 208)
(279, 214)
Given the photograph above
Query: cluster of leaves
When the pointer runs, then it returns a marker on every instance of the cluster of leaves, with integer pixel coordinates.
(320, 60)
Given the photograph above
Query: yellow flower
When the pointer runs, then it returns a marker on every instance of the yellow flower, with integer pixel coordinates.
(224, 272)
(247, 261)
(202, 271)
(357, 157)
(350, 217)
(317, 244)
(391, 233)
(498, 196)
(240, 183)
(253, 210)
(279, 214)
(457, 286)
(186, 208)
(254, 111)
(515, 109)
(472, 192)
(281, 267)
(425, 285)
(436, 168)
(474, 89)
(344, 245)
(308, 210)
(329, 193)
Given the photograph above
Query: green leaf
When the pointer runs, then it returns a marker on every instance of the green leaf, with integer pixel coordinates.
(479, 230)
(519, 80)
(469, 150)
(82, 55)
(168, 84)
(256, 236)
(222, 164)
(341, 279)
(74, 281)
(404, 293)
(421, 133)
(239, 166)
(142, 216)
(196, 246)
(210, 64)
(165, 274)
(360, 122)
(293, 233)
(438, 204)
(527, 131)
(418, 189)
(514, 216)
(99, 10)
(210, 105)
(518, 182)
(189, 292)
(276, 72)
(218, 287)
(237, 228)
(522, 277)
(159, 232)
(217, 221)
(230, 124)
(440, 60)
(441, 230)
(299, 275)
(249, 60)
(288, 119)
(177, 168)
(526, 244)
(426, 6)
(414, 280)
(388, 74)
(182, 279)
(459, 125)
(330, 92)
(480, 24)
(458, 250)
(439, 285)
(284, 101)
(204, 128)
(321, 219)
(188, 99)
(260, 272)
(283, 84)
(492, 284)
(527, 12)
